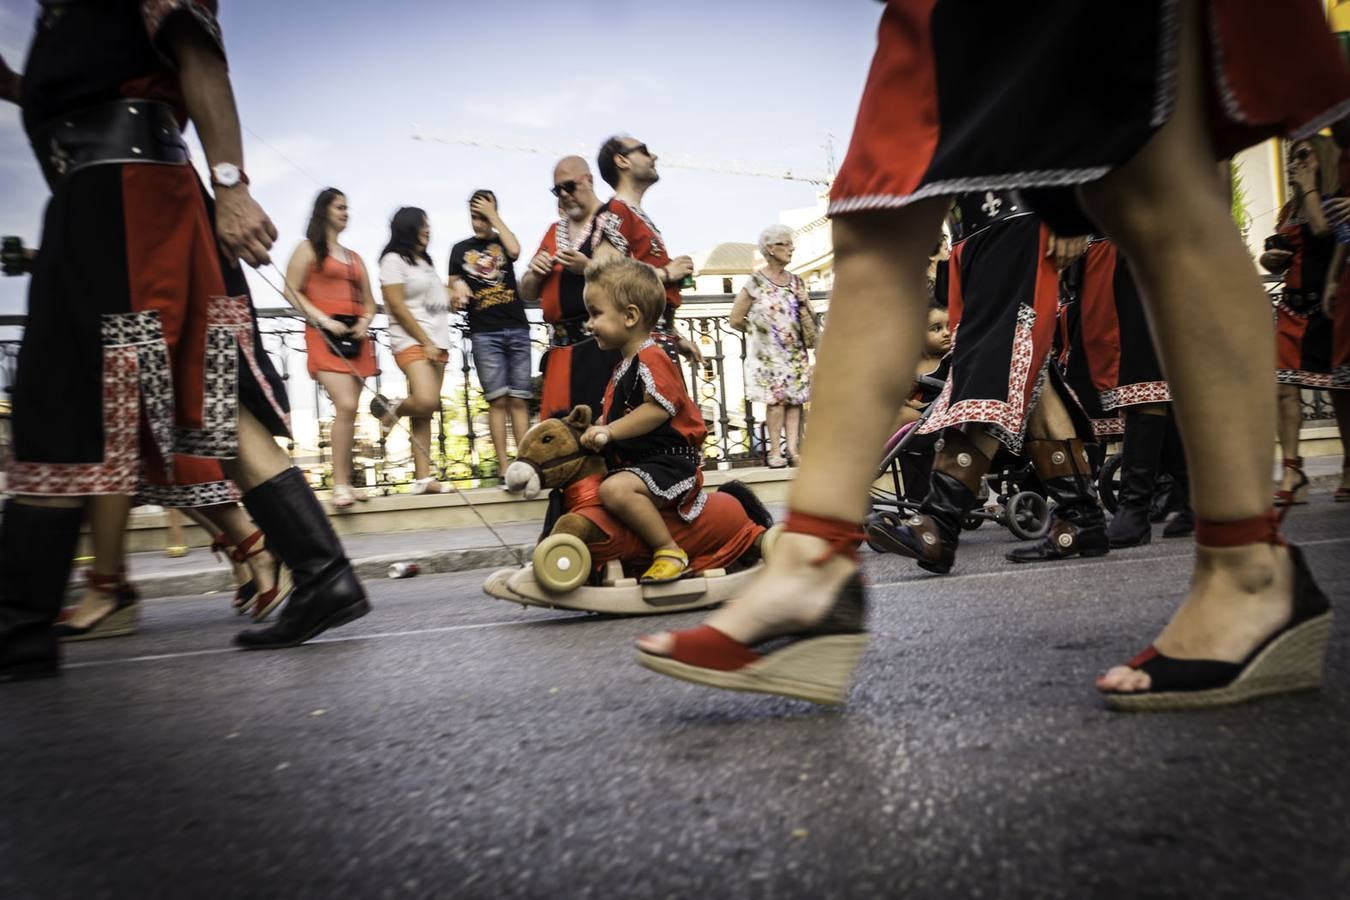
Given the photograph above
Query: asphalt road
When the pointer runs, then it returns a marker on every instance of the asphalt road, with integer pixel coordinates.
(451, 745)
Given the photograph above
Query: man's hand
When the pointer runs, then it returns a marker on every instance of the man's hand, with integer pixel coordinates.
(574, 260)
(11, 83)
(1337, 210)
(689, 350)
(487, 209)
(18, 262)
(1063, 251)
(460, 295)
(596, 437)
(242, 228)
(542, 264)
(678, 268)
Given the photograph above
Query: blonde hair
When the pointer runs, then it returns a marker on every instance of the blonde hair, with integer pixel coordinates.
(1328, 162)
(630, 283)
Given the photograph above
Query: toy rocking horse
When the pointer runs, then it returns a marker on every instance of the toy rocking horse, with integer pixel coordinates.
(589, 558)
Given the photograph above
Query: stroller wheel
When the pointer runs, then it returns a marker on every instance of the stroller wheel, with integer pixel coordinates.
(1028, 515)
(1108, 482)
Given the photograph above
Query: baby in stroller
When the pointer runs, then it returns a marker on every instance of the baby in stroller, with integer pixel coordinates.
(1011, 491)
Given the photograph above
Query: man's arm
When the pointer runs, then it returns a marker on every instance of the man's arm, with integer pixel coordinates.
(11, 83)
(242, 228)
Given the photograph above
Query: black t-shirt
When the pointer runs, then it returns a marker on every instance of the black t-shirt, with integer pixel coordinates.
(490, 275)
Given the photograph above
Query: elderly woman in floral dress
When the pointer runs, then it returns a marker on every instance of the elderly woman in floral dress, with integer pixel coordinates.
(775, 313)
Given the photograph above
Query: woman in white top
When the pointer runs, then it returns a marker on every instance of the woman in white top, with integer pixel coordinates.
(419, 334)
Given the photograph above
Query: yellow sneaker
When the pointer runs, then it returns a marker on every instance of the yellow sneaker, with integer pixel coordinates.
(667, 565)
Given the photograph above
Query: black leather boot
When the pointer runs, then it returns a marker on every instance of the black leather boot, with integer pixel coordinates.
(327, 593)
(930, 536)
(1144, 437)
(1077, 523)
(1182, 522)
(37, 549)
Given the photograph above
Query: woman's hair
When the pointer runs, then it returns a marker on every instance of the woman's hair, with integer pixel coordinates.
(317, 232)
(403, 230)
(1328, 156)
(629, 283)
(774, 234)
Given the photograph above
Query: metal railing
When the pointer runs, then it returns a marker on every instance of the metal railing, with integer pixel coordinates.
(462, 450)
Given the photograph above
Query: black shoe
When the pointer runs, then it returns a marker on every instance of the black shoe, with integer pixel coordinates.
(37, 547)
(930, 537)
(1144, 437)
(327, 593)
(1077, 523)
(1182, 524)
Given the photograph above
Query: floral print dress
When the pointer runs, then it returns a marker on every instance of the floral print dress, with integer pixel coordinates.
(776, 366)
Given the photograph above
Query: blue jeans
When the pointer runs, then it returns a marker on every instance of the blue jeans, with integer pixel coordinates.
(502, 359)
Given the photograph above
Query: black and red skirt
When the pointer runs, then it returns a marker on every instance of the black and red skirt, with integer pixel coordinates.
(1003, 303)
(1304, 342)
(140, 346)
(1117, 344)
(958, 98)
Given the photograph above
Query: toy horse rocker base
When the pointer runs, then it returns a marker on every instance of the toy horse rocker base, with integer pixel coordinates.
(589, 559)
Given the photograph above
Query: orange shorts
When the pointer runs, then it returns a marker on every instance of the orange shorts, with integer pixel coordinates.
(416, 353)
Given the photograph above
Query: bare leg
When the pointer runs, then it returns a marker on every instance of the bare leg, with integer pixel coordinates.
(242, 573)
(792, 428)
(1340, 401)
(1050, 419)
(234, 523)
(108, 515)
(520, 419)
(625, 495)
(773, 430)
(1289, 423)
(878, 317)
(174, 545)
(1168, 213)
(345, 392)
(424, 397)
(260, 456)
(497, 428)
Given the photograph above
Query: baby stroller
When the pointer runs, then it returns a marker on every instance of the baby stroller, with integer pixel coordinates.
(1010, 494)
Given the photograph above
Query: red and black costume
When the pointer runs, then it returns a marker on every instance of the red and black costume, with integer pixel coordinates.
(668, 459)
(632, 233)
(1303, 334)
(139, 343)
(575, 368)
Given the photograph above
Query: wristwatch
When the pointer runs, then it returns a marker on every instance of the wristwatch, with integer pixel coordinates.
(227, 175)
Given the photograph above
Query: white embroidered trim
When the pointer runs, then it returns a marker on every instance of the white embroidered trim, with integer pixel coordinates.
(1169, 35)
(677, 490)
(1313, 380)
(1135, 394)
(208, 493)
(1008, 181)
(623, 366)
(1340, 377)
(649, 383)
(1108, 427)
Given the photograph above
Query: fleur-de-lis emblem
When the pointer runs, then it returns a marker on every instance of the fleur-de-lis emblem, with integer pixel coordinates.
(991, 204)
(60, 158)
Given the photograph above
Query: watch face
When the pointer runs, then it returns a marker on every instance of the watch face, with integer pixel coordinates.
(226, 174)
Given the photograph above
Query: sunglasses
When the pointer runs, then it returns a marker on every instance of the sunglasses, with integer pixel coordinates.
(1302, 154)
(639, 148)
(563, 187)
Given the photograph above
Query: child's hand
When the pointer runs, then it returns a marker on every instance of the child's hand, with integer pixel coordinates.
(595, 438)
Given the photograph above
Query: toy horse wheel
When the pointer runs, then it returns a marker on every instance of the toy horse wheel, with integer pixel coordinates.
(769, 539)
(562, 563)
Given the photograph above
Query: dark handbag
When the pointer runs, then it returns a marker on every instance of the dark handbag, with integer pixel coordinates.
(347, 346)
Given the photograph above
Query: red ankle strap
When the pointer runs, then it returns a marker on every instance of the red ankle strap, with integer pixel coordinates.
(220, 542)
(1264, 529)
(842, 535)
(1292, 462)
(103, 582)
(241, 551)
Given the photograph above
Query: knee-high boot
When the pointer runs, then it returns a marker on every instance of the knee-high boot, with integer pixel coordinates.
(37, 549)
(1182, 522)
(327, 593)
(1077, 523)
(1144, 437)
(930, 537)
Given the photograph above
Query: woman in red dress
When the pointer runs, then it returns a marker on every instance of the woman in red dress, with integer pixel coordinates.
(330, 286)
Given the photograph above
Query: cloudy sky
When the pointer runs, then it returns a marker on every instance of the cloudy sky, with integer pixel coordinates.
(332, 94)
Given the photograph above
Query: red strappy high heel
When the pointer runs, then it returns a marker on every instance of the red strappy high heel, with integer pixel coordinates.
(1289, 660)
(244, 593)
(1298, 494)
(815, 664)
(119, 620)
(266, 601)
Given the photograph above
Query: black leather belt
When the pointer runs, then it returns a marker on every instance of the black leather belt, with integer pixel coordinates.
(978, 210)
(120, 131)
